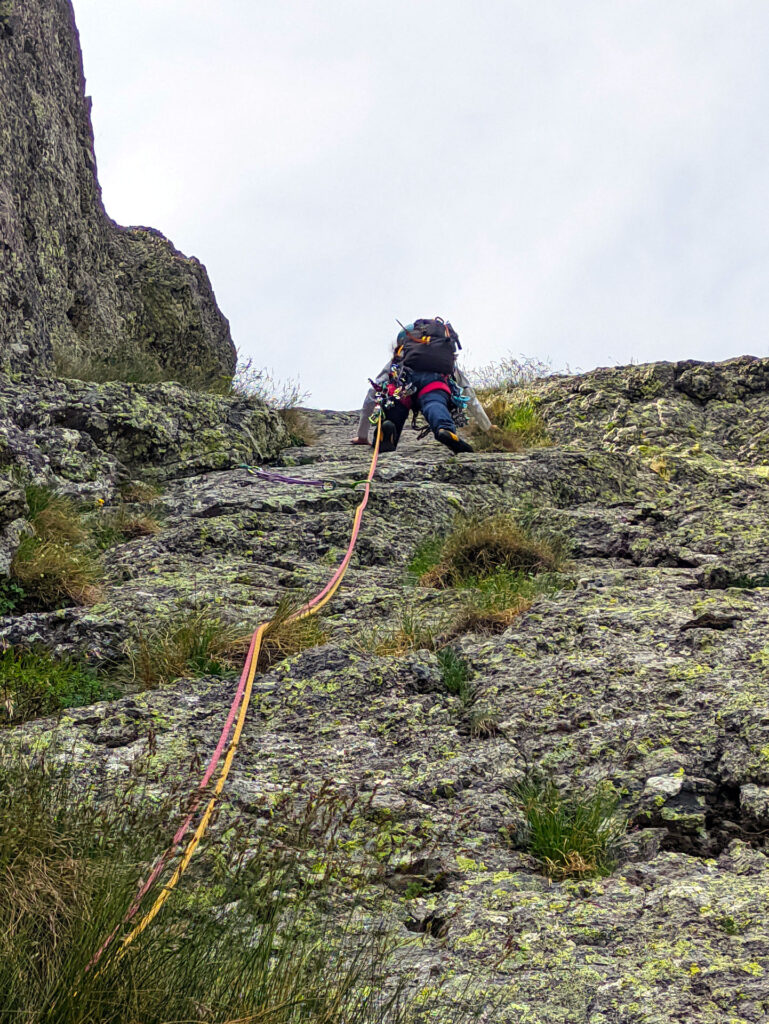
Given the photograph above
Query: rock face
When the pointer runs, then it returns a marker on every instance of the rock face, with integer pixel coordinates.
(650, 672)
(89, 440)
(72, 283)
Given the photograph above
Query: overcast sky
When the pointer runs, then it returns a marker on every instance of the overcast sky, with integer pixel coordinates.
(585, 181)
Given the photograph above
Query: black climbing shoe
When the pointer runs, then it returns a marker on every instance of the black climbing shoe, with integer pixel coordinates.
(389, 440)
(453, 441)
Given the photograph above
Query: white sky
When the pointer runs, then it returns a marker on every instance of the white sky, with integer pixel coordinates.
(585, 181)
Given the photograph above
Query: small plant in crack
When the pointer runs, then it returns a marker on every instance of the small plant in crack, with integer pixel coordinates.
(482, 721)
(570, 834)
(456, 675)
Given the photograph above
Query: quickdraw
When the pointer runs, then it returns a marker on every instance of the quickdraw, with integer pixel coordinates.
(396, 387)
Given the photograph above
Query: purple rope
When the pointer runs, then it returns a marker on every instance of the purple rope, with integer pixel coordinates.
(278, 478)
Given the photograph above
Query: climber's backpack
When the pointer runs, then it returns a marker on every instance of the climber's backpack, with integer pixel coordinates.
(429, 346)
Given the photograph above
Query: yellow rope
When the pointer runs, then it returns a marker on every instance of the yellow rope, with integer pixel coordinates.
(307, 610)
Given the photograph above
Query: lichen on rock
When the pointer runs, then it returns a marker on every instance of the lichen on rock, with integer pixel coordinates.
(74, 285)
(648, 674)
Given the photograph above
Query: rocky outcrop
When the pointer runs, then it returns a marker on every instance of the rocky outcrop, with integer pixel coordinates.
(648, 670)
(74, 285)
(90, 440)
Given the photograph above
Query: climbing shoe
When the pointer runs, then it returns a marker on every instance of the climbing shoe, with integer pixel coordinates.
(389, 437)
(453, 441)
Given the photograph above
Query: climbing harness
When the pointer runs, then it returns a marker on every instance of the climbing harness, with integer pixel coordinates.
(238, 710)
(397, 388)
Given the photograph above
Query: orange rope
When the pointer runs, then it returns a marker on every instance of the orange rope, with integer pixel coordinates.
(311, 608)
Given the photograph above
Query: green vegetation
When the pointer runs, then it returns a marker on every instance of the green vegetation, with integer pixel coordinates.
(456, 675)
(500, 566)
(300, 429)
(286, 636)
(56, 562)
(33, 683)
(501, 388)
(186, 643)
(122, 523)
(248, 941)
(135, 367)
(478, 547)
(59, 560)
(11, 596)
(283, 396)
(427, 554)
(198, 642)
(492, 602)
(747, 582)
(516, 422)
(480, 719)
(570, 835)
(412, 632)
(140, 491)
(509, 373)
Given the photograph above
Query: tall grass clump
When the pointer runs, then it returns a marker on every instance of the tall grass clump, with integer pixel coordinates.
(499, 565)
(247, 942)
(509, 373)
(122, 523)
(137, 367)
(480, 546)
(570, 835)
(516, 423)
(34, 683)
(503, 390)
(285, 396)
(55, 562)
(286, 636)
(192, 642)
(198, 642)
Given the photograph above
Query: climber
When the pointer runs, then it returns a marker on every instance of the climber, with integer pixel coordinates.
(419, 372)
(425, 380)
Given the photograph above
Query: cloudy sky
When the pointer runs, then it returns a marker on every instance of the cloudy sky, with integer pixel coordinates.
(584, 181)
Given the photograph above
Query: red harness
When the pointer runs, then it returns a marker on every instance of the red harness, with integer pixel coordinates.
(437, 385)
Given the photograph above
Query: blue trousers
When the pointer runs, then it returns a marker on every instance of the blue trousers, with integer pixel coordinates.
(434, 406)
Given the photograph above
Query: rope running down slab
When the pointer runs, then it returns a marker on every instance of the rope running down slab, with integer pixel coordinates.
(238, 708)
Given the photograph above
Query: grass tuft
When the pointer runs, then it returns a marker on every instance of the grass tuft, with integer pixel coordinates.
(188, 643)
(571, 835)
(55, 562)
(517, 420)
(509, 373)
(412, 632)
(137, 367)
(299, 426)
(51, 573)
(34, 683)
(426, 556)
(501, 388)
(140, 492)
(285, 636)
(112, 526)
(198, 642)
(499, 565)
(484, 724)
(456, 675)
(480, 547)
